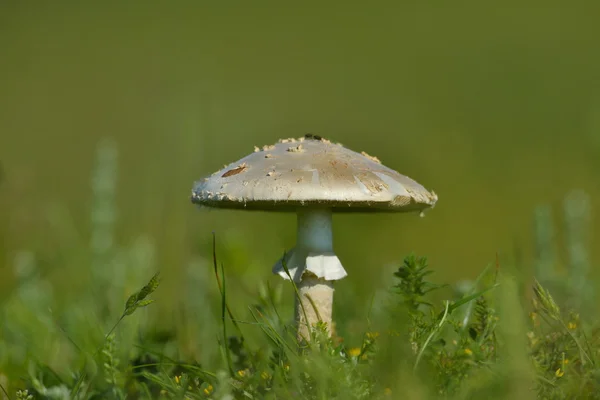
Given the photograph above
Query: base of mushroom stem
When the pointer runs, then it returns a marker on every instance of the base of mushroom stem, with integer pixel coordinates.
(310, 313)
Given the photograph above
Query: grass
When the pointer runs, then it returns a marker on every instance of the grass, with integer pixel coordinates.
(503, 335)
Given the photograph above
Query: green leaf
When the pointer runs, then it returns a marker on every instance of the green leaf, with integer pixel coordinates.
(469, 298)
(138, 299)
(144, 303)
(149, 288)
(131, 301)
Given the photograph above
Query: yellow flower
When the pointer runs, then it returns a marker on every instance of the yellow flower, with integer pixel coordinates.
(354, 352)
(559, 372)
(566, 361)
(241, 373)
(468, 352)
(572, 325)
(178, 379)
(372, 335)
(208, 390)
(286, 367)
(265, 375)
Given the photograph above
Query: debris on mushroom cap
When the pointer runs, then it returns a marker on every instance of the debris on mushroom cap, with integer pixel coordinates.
(310, 136)
(295, 149)
(311, 173)
(256, 149)
(268, 147)
(372, 158)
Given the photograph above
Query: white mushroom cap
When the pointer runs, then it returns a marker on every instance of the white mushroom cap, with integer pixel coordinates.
(311, 171)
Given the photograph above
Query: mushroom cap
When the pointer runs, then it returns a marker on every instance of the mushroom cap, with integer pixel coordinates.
(311, 172)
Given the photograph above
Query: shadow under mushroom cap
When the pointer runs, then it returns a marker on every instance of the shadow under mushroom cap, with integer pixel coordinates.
(311, 172)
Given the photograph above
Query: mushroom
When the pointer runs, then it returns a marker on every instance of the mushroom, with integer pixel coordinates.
(313, 178)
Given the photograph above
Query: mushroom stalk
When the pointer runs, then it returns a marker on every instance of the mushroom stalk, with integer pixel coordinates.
(315, 302)
(313, 266)
(314, 232)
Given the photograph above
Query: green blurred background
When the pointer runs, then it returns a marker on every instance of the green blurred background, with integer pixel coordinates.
(495, 107)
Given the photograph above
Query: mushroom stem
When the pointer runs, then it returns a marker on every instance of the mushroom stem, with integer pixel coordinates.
(313, 266)
(314, 237)
(315, 303)
(314, 230)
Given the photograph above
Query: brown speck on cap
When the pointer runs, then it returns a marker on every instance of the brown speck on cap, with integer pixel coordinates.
(239, 169)
(321, 174)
